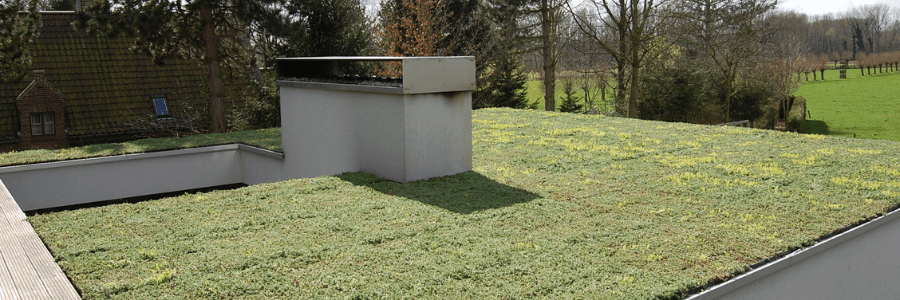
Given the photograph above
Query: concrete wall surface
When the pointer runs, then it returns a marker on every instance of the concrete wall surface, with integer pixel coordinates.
(861, 263)
(438, 74)
(399, 137)
(55, 184)
(422, 132)
(260, 165)
(438, 134)
(340, 131)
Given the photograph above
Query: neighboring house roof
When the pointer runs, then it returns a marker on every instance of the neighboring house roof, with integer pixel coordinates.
(107, 87)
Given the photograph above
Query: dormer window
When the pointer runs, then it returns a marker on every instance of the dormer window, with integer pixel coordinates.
(160, 106)
(42, 124)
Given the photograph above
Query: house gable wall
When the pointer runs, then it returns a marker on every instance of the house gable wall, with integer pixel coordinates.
(41, 97)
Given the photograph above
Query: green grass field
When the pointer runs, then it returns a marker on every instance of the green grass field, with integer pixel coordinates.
(558, 206)
(534, 93)
(864, 107)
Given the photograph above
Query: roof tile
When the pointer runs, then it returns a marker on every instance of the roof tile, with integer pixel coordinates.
(107, 87)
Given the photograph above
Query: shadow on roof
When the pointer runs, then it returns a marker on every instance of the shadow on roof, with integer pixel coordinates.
(463, 193)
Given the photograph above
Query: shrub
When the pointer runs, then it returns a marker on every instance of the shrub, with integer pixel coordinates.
(684, 89)
(796, 119)
(680, 91)
(570, 101)
(752, 97)
(504, 86)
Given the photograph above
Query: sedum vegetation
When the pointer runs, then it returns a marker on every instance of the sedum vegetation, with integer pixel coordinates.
(557, 206)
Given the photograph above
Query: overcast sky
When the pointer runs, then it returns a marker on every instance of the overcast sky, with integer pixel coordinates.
(818, 7)
(809, 7)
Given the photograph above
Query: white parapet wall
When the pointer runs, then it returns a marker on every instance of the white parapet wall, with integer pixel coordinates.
(417, 130)
(81, 181)
(861, 263)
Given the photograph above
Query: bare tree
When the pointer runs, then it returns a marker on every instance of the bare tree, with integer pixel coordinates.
(628, 30)
(547, 12)
(539, 34)
(729, 32)
(785, 54)
(593, 83)
(875, 21)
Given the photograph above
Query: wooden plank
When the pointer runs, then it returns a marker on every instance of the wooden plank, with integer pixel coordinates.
(55, 281)
(34, 272)
(27, 283)
(26, 280)
(7, 285)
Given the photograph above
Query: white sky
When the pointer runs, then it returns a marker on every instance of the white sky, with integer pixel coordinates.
(818, 7)
(809, 7)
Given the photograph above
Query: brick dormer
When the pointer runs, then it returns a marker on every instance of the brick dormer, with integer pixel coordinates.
(42, 111)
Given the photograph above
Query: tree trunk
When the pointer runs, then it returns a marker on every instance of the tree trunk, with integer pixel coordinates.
(862, 72)
(620, 89)
(603, 98)
(635, 61)
(822, 74)
(632, 98)
(814, 76)
(212, 60)
(729, 86)
(621, 79)
(547, 57)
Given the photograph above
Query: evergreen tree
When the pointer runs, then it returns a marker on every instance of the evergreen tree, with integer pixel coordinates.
(213, 31)
(305, 28)
(230, 36)
(503, 84)
(19, 25)
(570, 102)
(322, 28)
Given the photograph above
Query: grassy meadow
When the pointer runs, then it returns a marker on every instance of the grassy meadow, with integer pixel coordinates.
(557, 206)
(534, 93)
(859, 106)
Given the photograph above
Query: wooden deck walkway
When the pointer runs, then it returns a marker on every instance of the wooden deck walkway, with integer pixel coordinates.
(27, 270)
